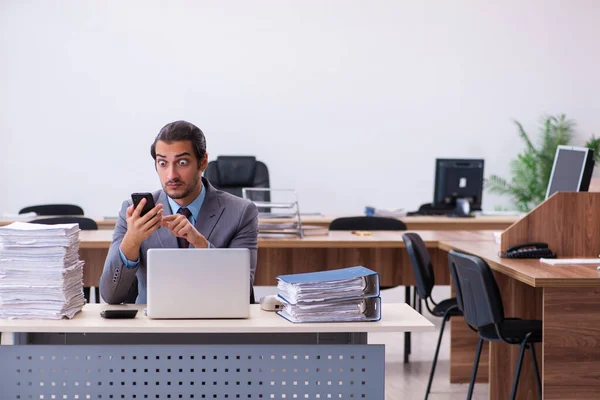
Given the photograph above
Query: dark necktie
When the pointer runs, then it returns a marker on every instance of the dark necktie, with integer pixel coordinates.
(182, 242)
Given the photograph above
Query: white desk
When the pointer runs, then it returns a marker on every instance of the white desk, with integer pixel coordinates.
(396, 318)
(93, 358)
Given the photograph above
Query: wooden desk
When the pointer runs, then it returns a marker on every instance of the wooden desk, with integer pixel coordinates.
(567, 299)
(427, 223)
(529, 271)
(101, 239)
(383, 252)
(422, 223)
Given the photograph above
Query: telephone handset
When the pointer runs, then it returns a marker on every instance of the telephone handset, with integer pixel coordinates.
(529, 250)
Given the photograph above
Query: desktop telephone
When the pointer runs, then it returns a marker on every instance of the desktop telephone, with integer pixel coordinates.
(529, 250)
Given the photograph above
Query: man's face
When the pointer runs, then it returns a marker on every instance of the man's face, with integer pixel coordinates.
(179, 170)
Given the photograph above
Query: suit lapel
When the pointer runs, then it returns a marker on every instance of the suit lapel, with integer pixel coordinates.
(210, 212)
(165, 237)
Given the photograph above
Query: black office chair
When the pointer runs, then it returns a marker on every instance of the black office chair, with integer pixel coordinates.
(53, 209)
(478, 297)
(366, 224)
(85, 224)
(232, 173)
(423, 270)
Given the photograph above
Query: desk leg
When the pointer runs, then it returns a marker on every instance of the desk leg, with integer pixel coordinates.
(406, 334)
(571, 343)
(10, 338)
(358, 338)
(522, 301)
(7, 339)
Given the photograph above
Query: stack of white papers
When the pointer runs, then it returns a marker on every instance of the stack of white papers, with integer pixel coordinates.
(41, 276)
(308, 292)
(338, 311)
(567, 261)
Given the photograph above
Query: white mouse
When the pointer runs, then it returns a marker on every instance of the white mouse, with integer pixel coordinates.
(271, 303)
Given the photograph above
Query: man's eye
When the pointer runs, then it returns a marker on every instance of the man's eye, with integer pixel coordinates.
(162, 163)
(183, 162)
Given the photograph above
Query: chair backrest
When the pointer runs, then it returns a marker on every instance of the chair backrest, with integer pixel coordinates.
(421, 263)
(53, 209)
(476, 289)
(366, 224)
(85, 224)
(456, 283)
(232, 173)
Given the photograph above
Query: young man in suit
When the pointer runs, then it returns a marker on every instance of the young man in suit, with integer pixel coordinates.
(189, 212)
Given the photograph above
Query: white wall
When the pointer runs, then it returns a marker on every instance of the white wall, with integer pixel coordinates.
(349, 102)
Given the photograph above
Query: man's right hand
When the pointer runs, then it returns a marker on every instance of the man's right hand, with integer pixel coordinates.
(140, 228)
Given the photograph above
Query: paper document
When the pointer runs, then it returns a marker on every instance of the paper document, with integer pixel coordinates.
(563, 261)
(492, 213)
(354, 310)
(345, 283)
(41, 276)
(13, 216)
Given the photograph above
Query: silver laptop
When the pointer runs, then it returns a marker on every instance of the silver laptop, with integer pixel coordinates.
(198, 283)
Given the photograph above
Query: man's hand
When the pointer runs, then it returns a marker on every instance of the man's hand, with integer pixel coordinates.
(180, 226)
(140, 228)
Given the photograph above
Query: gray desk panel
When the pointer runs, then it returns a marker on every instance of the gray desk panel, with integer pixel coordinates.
(192, 372)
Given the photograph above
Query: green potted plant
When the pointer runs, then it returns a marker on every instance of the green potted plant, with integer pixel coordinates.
(531, 169)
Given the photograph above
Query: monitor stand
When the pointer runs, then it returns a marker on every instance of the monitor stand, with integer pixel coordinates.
(462, 210)
(429, 209)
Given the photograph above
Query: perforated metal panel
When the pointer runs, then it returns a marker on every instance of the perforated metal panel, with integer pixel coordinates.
(192, 372)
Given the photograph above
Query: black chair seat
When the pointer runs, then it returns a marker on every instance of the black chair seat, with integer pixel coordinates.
(514, 330)
(444, 305)
(85, 224)
(363, 223)
(53, 209)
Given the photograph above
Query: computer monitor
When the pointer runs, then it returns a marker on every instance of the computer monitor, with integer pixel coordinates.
(572, 170)
(458, 179)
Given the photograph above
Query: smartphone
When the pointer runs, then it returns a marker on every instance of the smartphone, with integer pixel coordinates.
(137, 197)
(118, 314)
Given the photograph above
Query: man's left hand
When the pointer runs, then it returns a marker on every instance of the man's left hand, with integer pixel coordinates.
(180, 226)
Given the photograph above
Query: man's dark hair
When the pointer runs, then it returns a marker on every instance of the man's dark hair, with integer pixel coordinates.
(178, 131)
